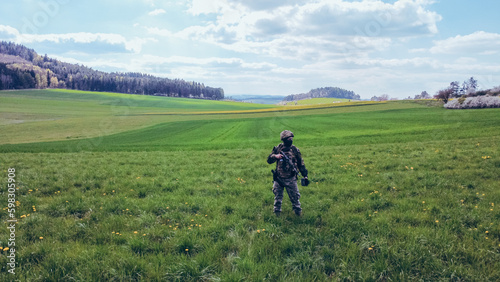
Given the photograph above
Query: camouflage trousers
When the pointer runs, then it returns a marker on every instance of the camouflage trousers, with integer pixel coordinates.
(293, 193)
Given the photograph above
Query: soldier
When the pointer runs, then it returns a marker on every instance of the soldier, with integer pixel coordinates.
(286, 173)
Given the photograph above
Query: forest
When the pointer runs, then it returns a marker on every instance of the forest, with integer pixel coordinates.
(324, 92)
(23, 68)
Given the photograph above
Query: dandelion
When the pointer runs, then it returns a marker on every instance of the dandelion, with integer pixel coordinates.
(487, 232)
(41, 238)
(437, 221)
(7, 248)
(369, 249)
(187, 250)
(143, 234)
(258, 230)
(135, 232)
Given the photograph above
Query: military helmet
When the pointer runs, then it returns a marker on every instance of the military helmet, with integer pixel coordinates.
(285, 134)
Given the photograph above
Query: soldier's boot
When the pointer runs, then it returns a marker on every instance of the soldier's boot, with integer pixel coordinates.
(277, 213)
(298, 212)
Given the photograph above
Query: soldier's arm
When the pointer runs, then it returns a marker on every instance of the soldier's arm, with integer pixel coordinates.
(300, 164)
(272, 158)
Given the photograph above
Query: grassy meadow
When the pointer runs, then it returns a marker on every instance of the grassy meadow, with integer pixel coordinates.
(120, 187)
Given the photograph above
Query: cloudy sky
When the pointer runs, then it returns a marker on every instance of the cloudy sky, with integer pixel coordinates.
(372, 47)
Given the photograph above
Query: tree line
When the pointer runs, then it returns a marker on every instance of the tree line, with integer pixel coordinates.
(324, 92)
(469, 88)
(23, 68)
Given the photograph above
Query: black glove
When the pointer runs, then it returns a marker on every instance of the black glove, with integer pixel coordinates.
(304, 181)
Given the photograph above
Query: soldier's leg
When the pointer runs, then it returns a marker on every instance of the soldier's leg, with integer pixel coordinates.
(278, 197)
(293, 193)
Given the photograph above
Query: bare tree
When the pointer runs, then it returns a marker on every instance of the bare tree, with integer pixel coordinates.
(445, 94)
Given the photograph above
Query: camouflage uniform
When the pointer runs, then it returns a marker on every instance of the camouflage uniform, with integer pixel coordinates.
(286, 174)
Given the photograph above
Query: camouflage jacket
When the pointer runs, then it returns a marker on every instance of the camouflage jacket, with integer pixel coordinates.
(284, 170)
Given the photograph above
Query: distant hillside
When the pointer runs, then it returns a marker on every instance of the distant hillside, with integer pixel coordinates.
(315, 101)
(258, 99)
(325, 92)
(23, 68)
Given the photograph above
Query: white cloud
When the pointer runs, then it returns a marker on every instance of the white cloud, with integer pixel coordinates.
(480, 42)
(159, 31)
(8, 31)
(131, 45)
(289, 29)
(157, 12)
(205, 62)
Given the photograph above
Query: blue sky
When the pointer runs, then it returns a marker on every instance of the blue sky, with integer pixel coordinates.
(281, 47)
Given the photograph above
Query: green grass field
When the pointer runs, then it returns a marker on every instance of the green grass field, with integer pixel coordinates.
(152, 188)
